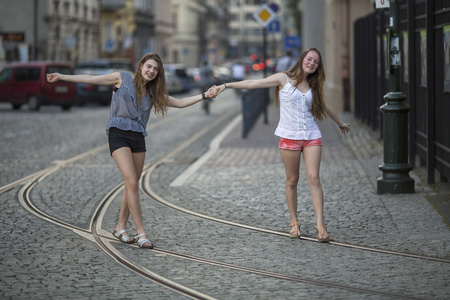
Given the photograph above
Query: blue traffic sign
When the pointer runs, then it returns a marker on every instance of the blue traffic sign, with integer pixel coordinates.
(291, 41)
(274, 27)
(274, 7)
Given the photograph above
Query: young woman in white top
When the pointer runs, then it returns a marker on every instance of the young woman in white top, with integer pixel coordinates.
(299, 92)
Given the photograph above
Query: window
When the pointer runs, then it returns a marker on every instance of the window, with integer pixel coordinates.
(56, 6)
(6, 75)
(66, 8)
(27, 74)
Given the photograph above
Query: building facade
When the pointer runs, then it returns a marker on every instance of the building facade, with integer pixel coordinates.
(164, 29)
(72, 30)
(48, 30)
(126, 28)
(327, 25)
(186, 39)
(181, 31)
(339, 48)
(214, 32)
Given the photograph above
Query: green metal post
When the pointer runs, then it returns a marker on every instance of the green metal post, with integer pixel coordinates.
(395, 167)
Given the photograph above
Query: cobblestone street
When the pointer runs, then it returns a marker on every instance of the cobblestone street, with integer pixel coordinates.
(241, 182)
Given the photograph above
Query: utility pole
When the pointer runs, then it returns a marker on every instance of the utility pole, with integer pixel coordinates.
(264, 15)
(395, 167)
(35, 31)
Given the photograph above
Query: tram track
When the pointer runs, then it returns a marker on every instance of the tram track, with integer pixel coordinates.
(104, 242)
(92, 233)
(146, 187)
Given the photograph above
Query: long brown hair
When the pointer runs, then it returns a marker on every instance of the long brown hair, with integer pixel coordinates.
(159, 96)
(315, 80)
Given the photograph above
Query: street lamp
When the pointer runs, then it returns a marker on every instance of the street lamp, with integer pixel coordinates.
(395, 167)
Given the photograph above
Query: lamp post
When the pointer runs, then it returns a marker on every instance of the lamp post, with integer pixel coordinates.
(395, 167)
(35, 30)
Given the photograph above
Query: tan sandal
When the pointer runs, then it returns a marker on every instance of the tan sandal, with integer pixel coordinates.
(322, 237)
(295, 232)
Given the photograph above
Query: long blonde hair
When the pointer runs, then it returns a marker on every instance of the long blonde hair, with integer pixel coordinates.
(156, 89)
(315, 80)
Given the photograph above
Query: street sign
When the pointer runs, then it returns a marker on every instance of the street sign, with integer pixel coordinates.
(13, 36)
(264, 15)
(381, 3)
(274, 7)
(274, 27)
(291, 42)
(109, 45)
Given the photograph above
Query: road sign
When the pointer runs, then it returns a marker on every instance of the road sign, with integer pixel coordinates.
(274, 7)
(291, 41)
(381, 3)
(274, 27)
(264, 15)
(109, 45)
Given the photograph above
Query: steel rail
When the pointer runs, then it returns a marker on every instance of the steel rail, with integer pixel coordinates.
(146, 187)
(104, 242)
(95, 223)
(62, 163)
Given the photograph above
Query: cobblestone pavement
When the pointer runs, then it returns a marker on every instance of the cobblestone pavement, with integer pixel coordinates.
(242, 182)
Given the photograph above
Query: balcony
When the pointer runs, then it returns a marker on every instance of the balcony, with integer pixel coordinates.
(112, 5)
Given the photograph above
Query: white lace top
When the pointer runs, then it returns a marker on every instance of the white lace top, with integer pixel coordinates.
(296, 120)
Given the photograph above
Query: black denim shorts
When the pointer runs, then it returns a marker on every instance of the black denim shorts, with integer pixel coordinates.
(118, 138)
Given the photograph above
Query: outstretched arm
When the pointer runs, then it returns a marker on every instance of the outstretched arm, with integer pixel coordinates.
(107, 79)
(344, 127)
(188, 101)
(278, 79)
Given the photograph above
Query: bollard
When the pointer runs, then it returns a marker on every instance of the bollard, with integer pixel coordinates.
(395, 167)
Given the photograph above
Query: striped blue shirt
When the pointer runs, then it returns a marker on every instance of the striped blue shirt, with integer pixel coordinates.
(125, 112)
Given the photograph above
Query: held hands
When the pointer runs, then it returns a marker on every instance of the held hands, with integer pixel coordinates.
(54, 77)
(221, 88)
(212, 92)
(344, 127)
(215, 91)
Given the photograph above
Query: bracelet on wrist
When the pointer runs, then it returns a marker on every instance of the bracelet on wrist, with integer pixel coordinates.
(225, 86)
(203, 96)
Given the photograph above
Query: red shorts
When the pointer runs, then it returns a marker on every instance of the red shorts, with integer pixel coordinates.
(298, 145)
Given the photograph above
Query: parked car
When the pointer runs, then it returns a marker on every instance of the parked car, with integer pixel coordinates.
(26, 83)
(187, 81)
(195, 74)
(98, 93)
(173, 83)
(223, 74)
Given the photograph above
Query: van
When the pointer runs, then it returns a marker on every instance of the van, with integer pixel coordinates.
(26, 83)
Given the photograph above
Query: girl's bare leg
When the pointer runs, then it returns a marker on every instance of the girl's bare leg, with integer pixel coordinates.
(291, 160)
(131, 166)
(312, 156)
(124, 212)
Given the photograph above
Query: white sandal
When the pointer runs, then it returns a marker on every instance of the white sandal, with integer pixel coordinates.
(141, 242)
(123, 236)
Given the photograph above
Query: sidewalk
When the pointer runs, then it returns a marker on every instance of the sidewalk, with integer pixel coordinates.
(354, 213)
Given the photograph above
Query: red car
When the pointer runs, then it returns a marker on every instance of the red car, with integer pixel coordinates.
(26, 83)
